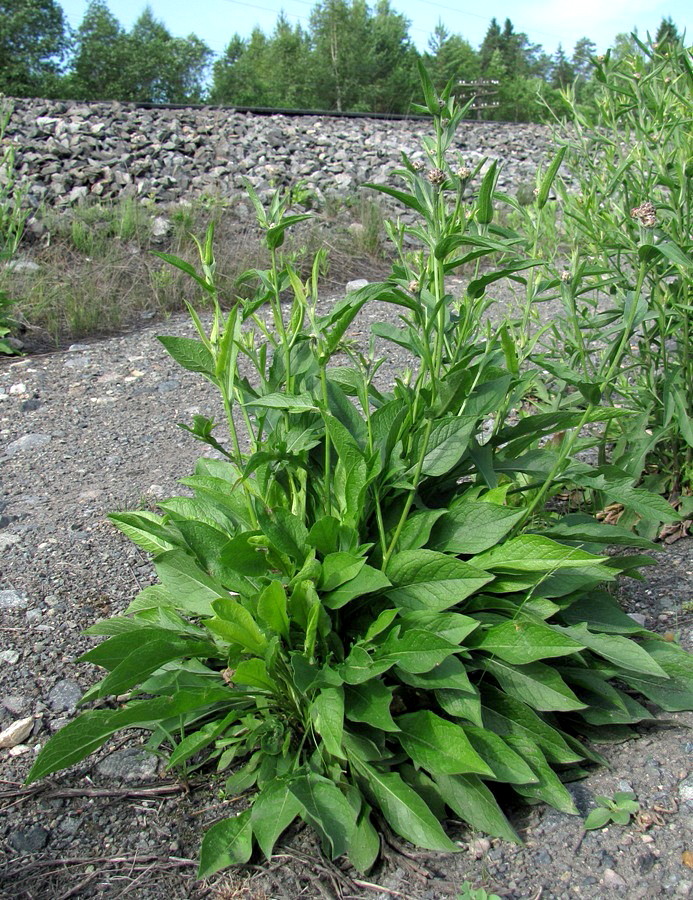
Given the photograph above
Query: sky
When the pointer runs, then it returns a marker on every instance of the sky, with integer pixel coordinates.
(546, 23)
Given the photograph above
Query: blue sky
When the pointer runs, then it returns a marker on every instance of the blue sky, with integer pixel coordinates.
(547, 23)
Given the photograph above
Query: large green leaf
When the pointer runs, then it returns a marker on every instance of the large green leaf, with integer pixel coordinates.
(364, 846)
(414, 651)
(473, 526)
(454, 627)
(146, 529)
(338, 568)
(406, 813)
(474, 803)
(146, 658)
(537, 684)
(619, 650)
(507, 716)
(439, 746)
(235, 624)
(191, 354)
(227, 843)
(424, 579)
(522, 641)
(534, 553)
(507, 765)
(548, 787)
(370, 703)
(674, 693)
(286, 533)
(327, 810)
(271, 608)
(274, 809)
(89, 731)
(192, 589)
(327, 712)
(461, 704)
(451, 673)
(367, 581)
(447, 444)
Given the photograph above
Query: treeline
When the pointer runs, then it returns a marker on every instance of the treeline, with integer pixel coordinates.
(351, 57)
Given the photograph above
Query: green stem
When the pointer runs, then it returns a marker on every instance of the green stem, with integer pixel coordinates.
(412, 493)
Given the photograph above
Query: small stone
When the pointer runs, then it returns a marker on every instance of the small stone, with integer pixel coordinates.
(638, 618)
(356, 285)
(30, 405)
(14, 704)
(160, 227)
(7, 540)
(12, 600)
(686, 790)
(16, 389)
(65, 695)
(27, 442)
(131, 764)
(9, 656)
(613, 879)
(687, 858)
(16, 732)
(23, 265)
(19, 750)
(646, 862)
(479, 847)
(29, 840)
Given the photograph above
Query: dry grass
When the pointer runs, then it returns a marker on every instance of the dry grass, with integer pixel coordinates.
(97, 274)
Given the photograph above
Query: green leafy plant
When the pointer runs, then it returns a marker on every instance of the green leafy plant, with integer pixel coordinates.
(628, 215)
(12, 219)
(365, 611)
(471, 893)
(618, 810)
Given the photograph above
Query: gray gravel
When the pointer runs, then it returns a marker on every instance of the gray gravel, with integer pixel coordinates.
(93, 429)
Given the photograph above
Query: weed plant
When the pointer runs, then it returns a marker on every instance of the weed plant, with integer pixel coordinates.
(628, 215)
(365, 613)
(12, 220)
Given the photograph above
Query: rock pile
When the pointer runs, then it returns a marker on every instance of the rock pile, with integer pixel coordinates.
(72, 152)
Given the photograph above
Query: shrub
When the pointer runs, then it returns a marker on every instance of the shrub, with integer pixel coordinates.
(365, 608)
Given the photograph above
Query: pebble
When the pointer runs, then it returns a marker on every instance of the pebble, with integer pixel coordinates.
(7, 540)
(65, 695)
(9, 656)
(16, 389)
(16, 732)
(686, 790)
(12, 600)
(479, 847)
(613, 879)
(355, 285)
(131, 764)
(29, 840)
(27, 442)
(14, 704)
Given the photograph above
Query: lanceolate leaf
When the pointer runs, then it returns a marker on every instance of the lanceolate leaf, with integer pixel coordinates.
(414, 651)
(274, 809)
(534, 553)
(507, 716)
(424, 579)
(370, 703)
(473, 802)
(228, 843)
(522, 641)
(405, 811)
(473, 527)
(327, 809)
(439, 746)
(88, 732)
(549, 787)
(327, 712)
(536, 684)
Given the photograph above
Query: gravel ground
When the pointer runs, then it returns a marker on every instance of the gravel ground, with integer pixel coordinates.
(93, 429)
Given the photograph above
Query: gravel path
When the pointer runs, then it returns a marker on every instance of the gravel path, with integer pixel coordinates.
(93, 429)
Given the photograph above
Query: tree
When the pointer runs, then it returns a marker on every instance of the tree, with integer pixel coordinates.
(391, 80)
(562, 72)
(451, 56)
(666, 33)
(581, 62)
(341, 37)
(33, 42)
(162, 68)
(100, 63)
(491, 44)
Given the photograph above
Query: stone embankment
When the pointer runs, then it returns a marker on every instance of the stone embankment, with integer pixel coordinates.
(76, 152)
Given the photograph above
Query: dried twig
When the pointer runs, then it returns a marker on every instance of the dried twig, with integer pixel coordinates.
(67, 793)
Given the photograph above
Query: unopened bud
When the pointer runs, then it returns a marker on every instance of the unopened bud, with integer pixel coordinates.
(646, 214)
(565, 275)
(436, 176)
(413, 287)
(464, 172)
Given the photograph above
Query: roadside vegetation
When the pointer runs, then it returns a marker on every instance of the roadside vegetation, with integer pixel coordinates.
(384, 609)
